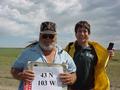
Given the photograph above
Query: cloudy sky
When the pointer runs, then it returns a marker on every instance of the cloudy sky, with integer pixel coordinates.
(20, 20)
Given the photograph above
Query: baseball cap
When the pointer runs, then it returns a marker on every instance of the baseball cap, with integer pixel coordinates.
(48, 27)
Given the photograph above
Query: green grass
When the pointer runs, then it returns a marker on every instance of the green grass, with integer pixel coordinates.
(113, 70)
(8, 56)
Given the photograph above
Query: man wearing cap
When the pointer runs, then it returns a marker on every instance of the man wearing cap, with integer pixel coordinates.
(90, 58)
(45, 51)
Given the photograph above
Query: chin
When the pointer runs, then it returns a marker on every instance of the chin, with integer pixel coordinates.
(83, 41)
(48, 48)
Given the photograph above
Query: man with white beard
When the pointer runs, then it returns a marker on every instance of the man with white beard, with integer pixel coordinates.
(46, 51)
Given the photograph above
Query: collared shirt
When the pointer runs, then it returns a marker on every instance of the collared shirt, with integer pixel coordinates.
(35, 53)
(85, 60)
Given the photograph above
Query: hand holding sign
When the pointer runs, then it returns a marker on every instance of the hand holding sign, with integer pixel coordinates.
(27, 75)
(67, 78)
(46, 77)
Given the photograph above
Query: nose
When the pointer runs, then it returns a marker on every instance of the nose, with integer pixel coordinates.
(82, 32)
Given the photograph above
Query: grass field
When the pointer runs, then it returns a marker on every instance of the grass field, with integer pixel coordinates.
(8, 56)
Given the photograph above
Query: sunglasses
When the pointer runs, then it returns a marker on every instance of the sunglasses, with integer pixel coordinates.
(50, 36)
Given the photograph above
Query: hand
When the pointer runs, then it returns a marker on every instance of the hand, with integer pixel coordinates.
(68, 78)
(111, 53)
(27, 75)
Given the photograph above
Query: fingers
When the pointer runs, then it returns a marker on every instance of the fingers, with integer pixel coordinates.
(27, 75)
(111, 53)
(66, 78)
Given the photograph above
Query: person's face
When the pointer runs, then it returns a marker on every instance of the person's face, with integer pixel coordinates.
(47, 41)
(82, 35)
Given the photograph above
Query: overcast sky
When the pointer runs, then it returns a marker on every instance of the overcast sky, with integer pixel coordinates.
(20, 20)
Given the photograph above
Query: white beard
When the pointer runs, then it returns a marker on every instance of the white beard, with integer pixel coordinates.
(47, 48)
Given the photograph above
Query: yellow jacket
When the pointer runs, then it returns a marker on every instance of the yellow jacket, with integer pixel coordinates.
(101, 79)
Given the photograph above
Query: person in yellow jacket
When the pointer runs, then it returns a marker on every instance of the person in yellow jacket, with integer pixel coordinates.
(90, 58)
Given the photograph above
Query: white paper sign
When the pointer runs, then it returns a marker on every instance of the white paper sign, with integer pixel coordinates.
(47, 77)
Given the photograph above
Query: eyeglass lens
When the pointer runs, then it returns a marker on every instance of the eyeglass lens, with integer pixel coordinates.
(50, 36)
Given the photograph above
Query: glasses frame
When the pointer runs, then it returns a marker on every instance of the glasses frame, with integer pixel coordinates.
(46, 36)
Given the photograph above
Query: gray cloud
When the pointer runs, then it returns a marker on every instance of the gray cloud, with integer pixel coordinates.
(24, 17)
